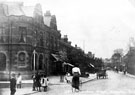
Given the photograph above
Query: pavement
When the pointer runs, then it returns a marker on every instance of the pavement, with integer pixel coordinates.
(27, 84)
(127, 74)
(53, 80)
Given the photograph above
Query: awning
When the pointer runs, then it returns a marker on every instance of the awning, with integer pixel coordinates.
(57, 57)
(68, 64)
(92, 65)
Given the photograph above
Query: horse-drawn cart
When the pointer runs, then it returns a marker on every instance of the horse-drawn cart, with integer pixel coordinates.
(101, 73)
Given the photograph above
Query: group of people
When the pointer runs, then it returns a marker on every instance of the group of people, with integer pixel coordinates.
(40, 80)
(15, 82)
(124, 70)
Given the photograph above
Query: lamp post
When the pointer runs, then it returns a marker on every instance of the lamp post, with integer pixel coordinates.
(34, 52)
(10, 46)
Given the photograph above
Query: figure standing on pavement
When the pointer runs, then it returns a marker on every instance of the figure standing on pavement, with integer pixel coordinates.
(19, 80)
(62, 72)
(75, 80)
(13, 84)
(67, 77)
(37, 83)
(34, 81)
(125, 70)
(44, 82)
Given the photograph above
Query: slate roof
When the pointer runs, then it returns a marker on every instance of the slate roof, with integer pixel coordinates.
(18, 9)
(28, 11)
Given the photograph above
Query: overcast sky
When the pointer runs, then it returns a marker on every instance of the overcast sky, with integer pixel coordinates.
(99, 26)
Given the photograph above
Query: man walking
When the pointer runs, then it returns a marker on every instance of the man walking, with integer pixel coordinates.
(13, 84)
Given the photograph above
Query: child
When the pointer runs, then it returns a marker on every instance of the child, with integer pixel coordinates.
(34, 82)
(67, 78)
(19, 80)
(44, 82)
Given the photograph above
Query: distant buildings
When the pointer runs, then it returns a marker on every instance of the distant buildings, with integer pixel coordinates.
(116, 60)
(126, 61)
(129, 60)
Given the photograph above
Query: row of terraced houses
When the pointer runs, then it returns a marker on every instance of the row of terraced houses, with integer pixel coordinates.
(23, 30)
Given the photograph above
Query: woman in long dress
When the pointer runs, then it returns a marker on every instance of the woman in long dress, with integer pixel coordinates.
(75, 80)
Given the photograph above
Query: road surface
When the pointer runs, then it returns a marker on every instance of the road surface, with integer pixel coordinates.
(116, 84)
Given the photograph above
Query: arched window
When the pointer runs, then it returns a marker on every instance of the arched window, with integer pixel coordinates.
(21, 58)
(40, 62)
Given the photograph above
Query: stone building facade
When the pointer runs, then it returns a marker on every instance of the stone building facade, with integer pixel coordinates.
(22, 31)
(129, 60)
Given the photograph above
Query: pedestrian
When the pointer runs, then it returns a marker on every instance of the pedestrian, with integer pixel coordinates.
(13, 84)
(75, 80)
(19, 81)
(44, 82)
(125, 70)
(67, 77)
(62, 72)
(37, 81)
(34, 81)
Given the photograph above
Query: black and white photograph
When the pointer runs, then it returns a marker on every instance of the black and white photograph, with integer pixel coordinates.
(67, 47)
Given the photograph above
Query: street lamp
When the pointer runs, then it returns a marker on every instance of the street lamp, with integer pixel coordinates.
(34, 52)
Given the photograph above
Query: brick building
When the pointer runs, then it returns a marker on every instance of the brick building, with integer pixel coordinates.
(31, 42)
(22, 31)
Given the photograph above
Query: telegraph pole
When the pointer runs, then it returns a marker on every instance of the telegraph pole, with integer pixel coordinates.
(84, 45)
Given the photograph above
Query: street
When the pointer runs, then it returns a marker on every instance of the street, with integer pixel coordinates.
(116, 84)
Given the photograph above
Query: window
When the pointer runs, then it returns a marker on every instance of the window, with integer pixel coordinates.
(1, 35)
(23, 32)
(40, 62)
(22, 56)
(41, 39)
(21, 59)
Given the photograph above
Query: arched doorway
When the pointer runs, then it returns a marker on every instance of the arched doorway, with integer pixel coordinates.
(2, 62)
